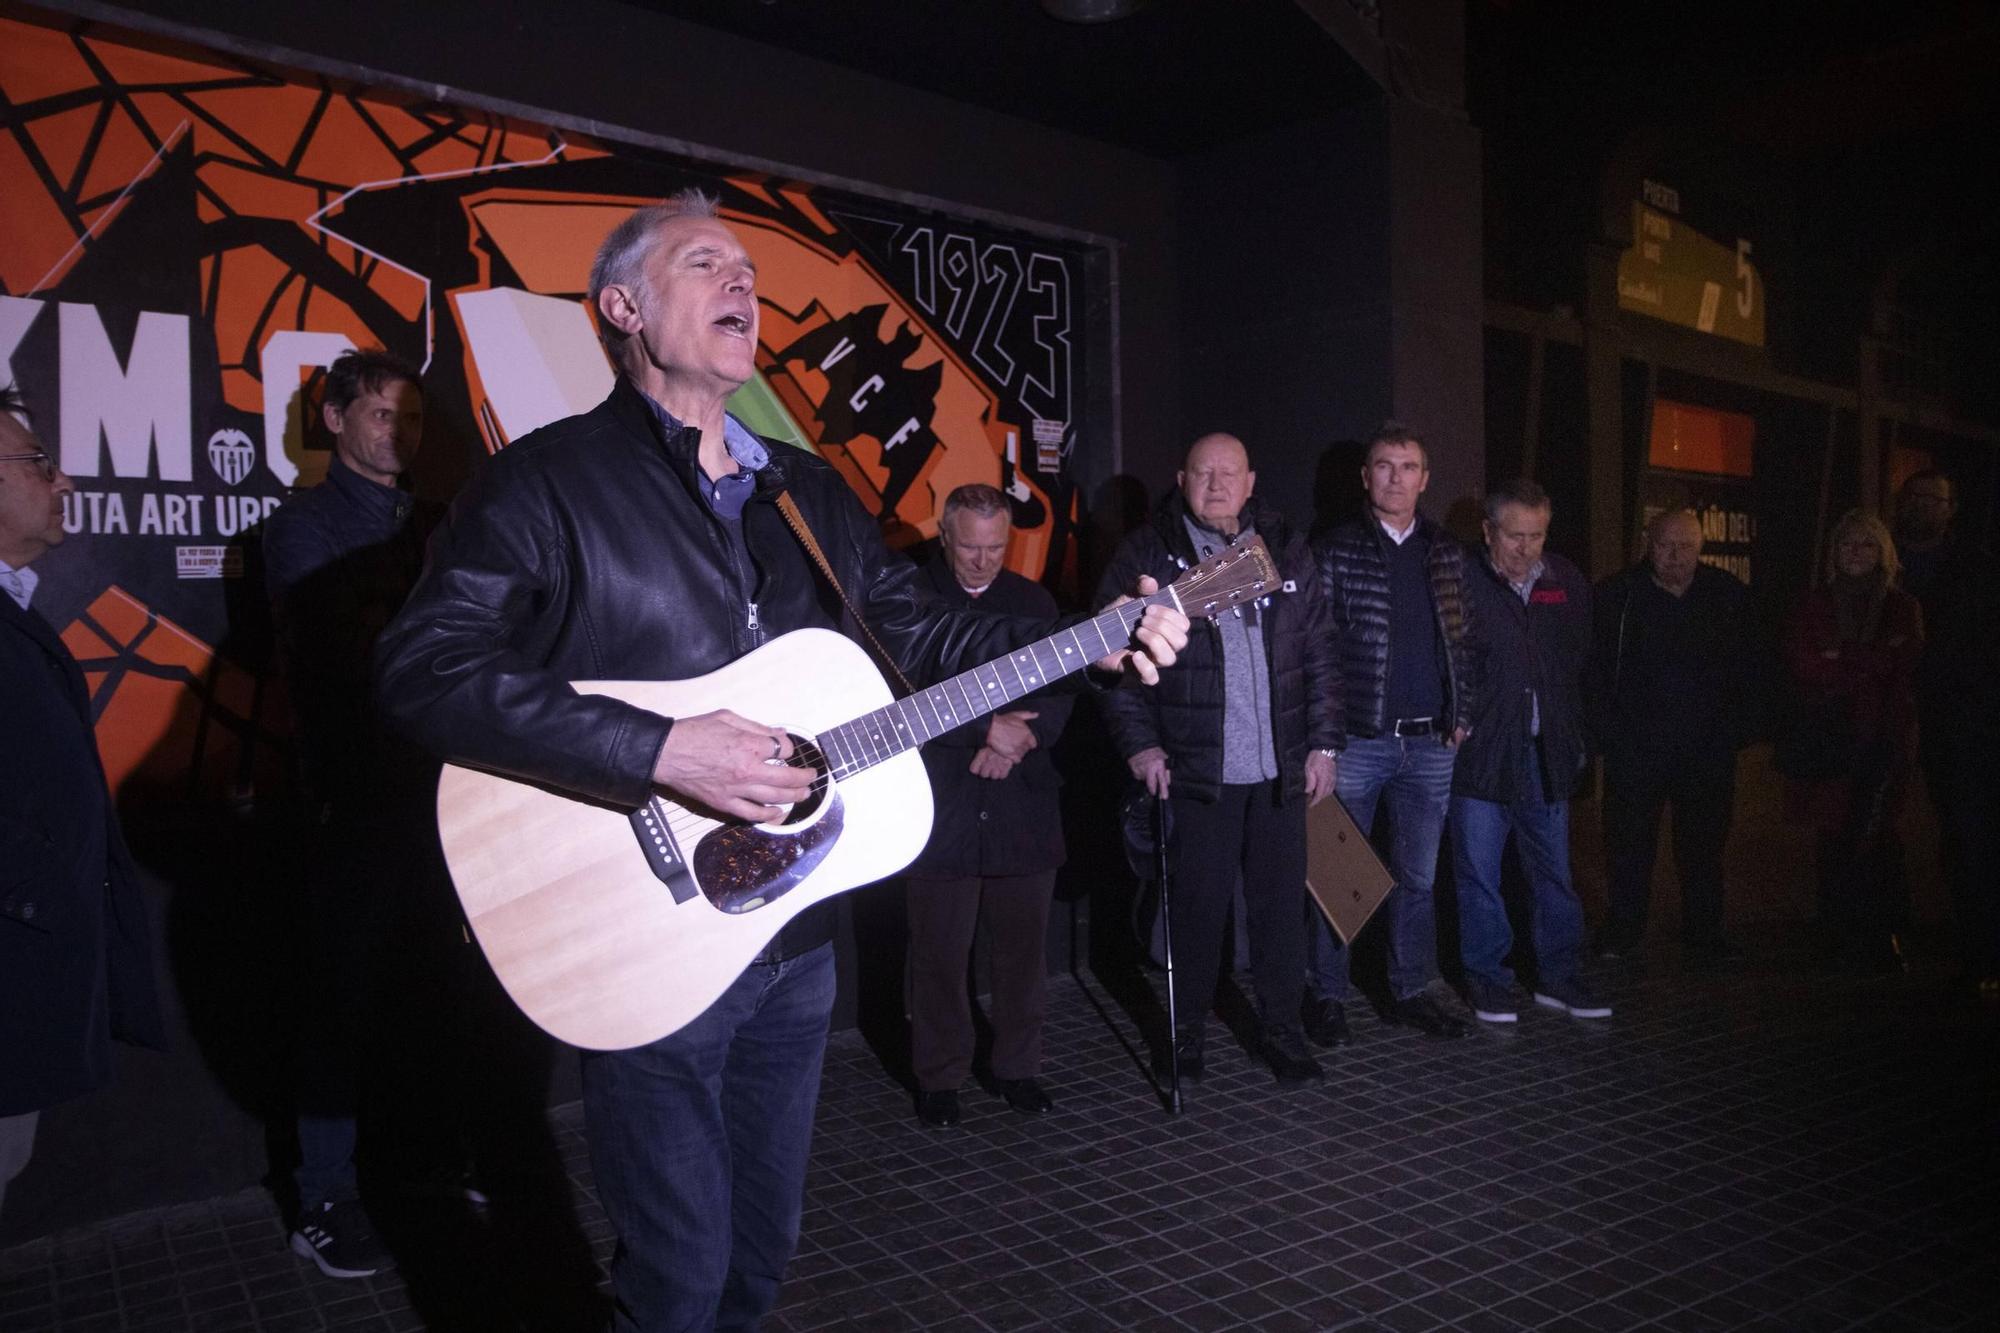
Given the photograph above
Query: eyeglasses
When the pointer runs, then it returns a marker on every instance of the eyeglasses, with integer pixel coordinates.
(39, 456)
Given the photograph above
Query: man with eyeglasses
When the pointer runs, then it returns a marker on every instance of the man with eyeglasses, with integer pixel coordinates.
(76, 957)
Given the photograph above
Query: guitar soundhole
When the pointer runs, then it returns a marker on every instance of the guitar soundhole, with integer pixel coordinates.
(742, 867)
(806, 755)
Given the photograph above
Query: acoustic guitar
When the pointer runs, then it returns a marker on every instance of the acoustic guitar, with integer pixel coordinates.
(612, 928)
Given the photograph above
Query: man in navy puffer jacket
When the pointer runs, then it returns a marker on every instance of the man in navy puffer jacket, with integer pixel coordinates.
(1395, 590)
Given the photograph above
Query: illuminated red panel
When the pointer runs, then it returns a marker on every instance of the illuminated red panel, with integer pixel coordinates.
(1687, 438)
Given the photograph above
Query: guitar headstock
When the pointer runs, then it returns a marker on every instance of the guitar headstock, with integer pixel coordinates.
(1241, 572)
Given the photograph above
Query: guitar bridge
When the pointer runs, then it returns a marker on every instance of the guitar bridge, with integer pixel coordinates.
(663, 854)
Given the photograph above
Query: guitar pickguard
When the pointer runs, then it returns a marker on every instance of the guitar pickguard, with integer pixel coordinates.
(743, 867)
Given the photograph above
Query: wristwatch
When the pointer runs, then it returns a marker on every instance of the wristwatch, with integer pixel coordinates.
(1330, 754)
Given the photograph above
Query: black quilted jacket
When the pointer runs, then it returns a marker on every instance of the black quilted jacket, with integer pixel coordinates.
(1183, 713)
(1354, 574)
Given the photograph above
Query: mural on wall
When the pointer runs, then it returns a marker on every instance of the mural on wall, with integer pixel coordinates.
(188, 238)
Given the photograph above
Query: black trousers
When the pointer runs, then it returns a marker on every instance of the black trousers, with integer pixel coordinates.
(1245, 829)
(944, 914)
(1638, 788)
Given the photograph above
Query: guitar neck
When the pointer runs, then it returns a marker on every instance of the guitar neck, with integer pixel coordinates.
(907, 723)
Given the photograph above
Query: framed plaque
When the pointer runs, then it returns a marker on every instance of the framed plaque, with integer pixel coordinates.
(1343, 874)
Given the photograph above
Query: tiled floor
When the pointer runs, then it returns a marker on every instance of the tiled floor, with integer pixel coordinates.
(1760, 1148)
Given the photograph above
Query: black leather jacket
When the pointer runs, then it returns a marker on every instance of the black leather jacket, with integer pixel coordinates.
(1183, 713)
(1354, 573)
(586, 551)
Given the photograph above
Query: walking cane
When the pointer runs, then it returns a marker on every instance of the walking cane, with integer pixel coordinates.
(1167, 954)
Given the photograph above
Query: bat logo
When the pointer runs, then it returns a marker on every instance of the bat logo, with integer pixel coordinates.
(232, 455)
(872, 391)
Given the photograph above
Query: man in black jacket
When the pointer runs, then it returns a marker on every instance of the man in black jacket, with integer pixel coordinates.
(995, 846)
(1395, 589)
(76, 945)
(339, 560)
(1236, 739)
(642, 540)
(1672, 678)
(1522, 756)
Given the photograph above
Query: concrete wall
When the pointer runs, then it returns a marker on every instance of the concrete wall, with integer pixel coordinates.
(1284, 286)
(1330, 278)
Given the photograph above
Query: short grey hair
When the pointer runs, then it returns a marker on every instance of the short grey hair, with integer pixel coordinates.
(972, 498)
(1396, 435)
(1523, 491)
(621, 260)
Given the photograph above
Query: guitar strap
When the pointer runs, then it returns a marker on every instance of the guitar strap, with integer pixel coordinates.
(790, 508)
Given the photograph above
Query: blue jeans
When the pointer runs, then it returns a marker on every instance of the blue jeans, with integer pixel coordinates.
(1414, 775)
(1541, 835)
(699, 1144)
(326, 1161)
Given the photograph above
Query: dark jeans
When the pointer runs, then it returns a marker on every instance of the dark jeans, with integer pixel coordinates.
(1638, 787)
(1413, 775)
(699, 1145)
(385, 969)
(1540, 829)
(1245, 827)
(944, 913)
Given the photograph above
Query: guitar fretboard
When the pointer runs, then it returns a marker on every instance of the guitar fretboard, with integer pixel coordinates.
(908, 722)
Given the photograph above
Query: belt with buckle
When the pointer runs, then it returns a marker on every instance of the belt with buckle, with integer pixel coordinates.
(1417, 726)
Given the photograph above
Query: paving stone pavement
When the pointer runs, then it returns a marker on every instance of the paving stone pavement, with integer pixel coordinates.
(1759, 1148)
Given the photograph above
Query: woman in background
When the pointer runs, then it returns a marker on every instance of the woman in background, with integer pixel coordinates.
(1851, 649)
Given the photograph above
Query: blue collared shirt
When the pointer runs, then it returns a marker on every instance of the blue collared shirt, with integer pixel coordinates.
(19, 583)
(726, 494)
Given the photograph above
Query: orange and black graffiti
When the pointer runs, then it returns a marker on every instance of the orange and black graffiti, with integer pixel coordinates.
(187, 236)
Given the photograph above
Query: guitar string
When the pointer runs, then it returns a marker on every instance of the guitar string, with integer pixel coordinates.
(694, 823)
(816, 757)
(691, 824)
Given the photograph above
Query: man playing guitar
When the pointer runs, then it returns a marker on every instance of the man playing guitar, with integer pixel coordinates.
(642, 540)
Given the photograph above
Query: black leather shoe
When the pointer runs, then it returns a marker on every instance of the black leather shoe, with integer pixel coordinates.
(1025, 1095)
(1285, 1051)
(939, 1110)
(1326, 1023)
(1426, 1015)
(1187, 1045)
